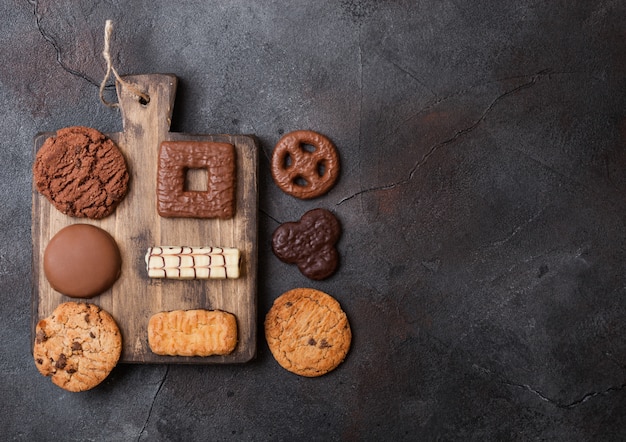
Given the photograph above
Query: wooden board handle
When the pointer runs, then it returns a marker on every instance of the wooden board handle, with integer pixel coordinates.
(137, 115)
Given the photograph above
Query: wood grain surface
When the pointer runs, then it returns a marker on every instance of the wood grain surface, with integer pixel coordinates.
(136, 226)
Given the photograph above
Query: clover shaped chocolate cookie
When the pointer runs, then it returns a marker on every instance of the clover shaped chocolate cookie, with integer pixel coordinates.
(309, 243)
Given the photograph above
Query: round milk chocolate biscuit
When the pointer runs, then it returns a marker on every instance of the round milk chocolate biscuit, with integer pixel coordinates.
(82, 261)
(307, 332)
(81, 172)
(305, 164)
(310, 243)
(77, 346)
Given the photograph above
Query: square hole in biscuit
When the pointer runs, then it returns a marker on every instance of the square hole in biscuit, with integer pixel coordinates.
(196, 180)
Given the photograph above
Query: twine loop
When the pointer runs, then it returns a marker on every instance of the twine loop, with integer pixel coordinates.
(142, 97)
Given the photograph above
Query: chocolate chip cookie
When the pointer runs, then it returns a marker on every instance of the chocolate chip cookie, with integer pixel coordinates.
(307, 332)
(81, 172)
(77, 346)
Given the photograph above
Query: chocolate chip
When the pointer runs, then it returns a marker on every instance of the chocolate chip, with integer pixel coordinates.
(71, 370)
(312, 341)
(76, 346)
(92, 335)
(87, 318)
(324, 344)
(61, 362)
(41, 337)
(288, 304)
(39, 361)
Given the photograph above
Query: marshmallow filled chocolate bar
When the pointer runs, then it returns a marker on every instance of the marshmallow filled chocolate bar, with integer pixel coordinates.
(185, 262)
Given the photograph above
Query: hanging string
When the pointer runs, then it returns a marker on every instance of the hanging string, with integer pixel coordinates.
(143, 98)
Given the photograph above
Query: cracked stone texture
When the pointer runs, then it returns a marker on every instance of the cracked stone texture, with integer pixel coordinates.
(481, 198)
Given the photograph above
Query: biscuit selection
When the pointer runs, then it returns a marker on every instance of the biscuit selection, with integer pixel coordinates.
(81, 172)
(305, 172)
(192, 333)
(175, 159)
(310, 243)
(77, 346)
(307, 332)
(193, 262)
(82, 261)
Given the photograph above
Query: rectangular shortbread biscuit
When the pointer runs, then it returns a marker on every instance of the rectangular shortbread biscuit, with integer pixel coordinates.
(192, 333)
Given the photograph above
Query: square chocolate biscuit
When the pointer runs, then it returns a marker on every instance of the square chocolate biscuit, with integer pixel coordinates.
(175, 159)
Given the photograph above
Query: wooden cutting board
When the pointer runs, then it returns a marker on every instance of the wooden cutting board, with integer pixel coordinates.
(136, 225)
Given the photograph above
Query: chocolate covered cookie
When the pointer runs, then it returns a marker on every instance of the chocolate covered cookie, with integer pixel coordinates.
(81, 172)
(77, 346)
(305, 164)
(307, 332)
(82, 261)
(309, 243)
(219, 162)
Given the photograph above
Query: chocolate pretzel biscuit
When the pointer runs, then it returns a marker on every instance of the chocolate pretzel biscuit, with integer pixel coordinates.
(81, 172)
(302, 172)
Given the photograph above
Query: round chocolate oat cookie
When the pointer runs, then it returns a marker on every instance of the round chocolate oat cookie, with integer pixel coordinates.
(77, 346)
(307, 332)
(81, 172)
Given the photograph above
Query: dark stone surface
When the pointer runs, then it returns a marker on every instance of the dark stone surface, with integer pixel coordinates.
(482, 199)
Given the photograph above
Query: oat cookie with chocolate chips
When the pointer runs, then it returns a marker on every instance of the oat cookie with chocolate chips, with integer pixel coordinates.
(307, 332)
(77, 346)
